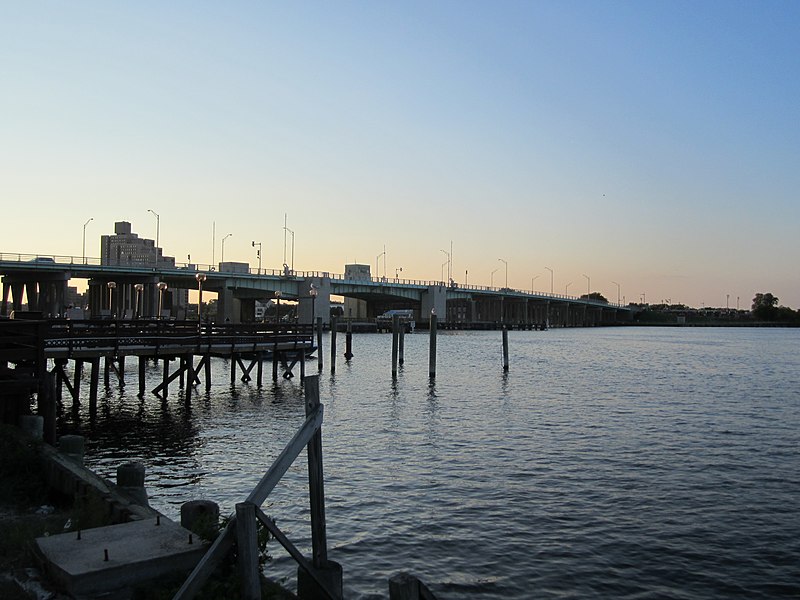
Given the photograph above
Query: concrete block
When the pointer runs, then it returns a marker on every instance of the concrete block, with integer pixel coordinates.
(118, 557)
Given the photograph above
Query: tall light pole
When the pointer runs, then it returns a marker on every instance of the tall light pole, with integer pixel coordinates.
(534, 278)
(84, 238)
(588, 285)
(551, 279)
(162, 289)
(491, 277)
(222, 260)
(139, 287)
(111, 286)
(505, 262)
(449, 274)
(566, 289)
(285, 229)
(377, 262)
(258, 253)
(313, 293)
(201, 277)
(158, 224)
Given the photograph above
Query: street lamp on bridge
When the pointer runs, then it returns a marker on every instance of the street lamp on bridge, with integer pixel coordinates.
(616, 284)
(158, 224)
(551, 279)
(84, 238)
(201, 277)
(222, 260)
(505, 262)
(566, 289)
(491, 277)
(588, 286)
(534, 278)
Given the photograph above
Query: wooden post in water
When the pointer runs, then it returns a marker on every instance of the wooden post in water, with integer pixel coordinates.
(94, 383)
(107, 371)
(319, 343)
(208, 372)
(142, 367)
(401, 344)
(121, 370)
(260, 372)
(182, 371)
(432, 353)
(348, 341)
(395, 343)
(233, 369)
(505, 349)
(334, 324)
(247, 551)
(165, 377)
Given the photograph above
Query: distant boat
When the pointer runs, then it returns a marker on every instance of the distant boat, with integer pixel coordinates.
(406, 316)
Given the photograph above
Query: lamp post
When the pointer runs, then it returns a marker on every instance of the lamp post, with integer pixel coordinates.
(313, 293)
(284, 246)
(162, 289)
(201, 277)
(491, 277)
(222, 260)
(551, 279)
(377, 262)
(84, 238)
(616, 284)
(258, 254)
(566, 289)
(588, 286)
(158, 224)
(534, 278)
(505, 262)
(111, 286)
(139, 287)
(277, 306)
(449, 273)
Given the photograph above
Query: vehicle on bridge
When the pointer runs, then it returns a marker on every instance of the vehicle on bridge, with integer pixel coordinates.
(406, 316)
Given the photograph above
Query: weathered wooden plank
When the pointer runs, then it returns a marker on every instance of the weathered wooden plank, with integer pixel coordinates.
(247, 551)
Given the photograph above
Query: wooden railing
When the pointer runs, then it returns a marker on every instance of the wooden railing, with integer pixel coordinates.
(242, 525)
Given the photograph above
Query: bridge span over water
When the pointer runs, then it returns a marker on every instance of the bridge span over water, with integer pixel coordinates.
(143, 291)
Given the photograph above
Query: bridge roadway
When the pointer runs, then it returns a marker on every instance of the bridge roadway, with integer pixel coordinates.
(44, 280)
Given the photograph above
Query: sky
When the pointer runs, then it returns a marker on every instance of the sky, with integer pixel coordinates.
(653, 144)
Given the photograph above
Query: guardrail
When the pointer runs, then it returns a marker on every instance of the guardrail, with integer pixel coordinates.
(181, 268)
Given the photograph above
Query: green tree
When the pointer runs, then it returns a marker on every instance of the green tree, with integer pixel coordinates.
(595, 296)
(765, 307)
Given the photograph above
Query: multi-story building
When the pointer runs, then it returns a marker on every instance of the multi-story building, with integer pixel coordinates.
(127, 248)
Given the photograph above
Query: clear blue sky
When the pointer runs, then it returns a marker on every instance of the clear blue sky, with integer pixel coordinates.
(655, 144)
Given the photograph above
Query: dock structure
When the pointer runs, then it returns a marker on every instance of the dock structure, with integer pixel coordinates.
(28, 348)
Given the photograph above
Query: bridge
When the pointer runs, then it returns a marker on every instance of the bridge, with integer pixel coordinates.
(130, 291)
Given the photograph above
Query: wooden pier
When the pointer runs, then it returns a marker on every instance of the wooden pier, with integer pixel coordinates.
(29, 348)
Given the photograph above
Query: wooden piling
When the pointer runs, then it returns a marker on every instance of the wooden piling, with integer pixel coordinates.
(395, 343)
(432, 353)
(207, 359)
(316, 485)
(247, 551)
(233, 370)
(334, 324)
(94, 383)
(182, 370)
(165, 378)
(121, 371)
(107, 372)
(348, 341)
(142, 369)
(76, 386)
(505, 349)
(319, 344)
(401, 344)
(275, 361)
(260, 368)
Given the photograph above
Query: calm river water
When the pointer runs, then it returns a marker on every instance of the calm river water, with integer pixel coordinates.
(615, 462)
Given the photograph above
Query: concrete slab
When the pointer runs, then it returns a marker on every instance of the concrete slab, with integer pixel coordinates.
(118, 557)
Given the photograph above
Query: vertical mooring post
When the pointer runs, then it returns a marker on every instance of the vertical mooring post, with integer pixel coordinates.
(329, 571)
(142, 369)
(395, 343)
(348, 341)
(247, 550)
(401, 344)
(260, 371)
(505, 349)
(207, 365)
(319, 343)
(94, 383)
(432, 353)
(334, 324)
(165, 376)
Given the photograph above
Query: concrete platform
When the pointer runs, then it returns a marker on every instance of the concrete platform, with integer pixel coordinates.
(137, 552)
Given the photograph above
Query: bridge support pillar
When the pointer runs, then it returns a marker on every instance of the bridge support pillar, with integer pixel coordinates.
(434, 298)
(226, 306)
(321, 307)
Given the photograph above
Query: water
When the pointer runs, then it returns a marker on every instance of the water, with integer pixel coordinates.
(625, 463)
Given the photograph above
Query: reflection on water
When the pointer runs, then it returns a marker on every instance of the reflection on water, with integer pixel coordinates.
(619, 463)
